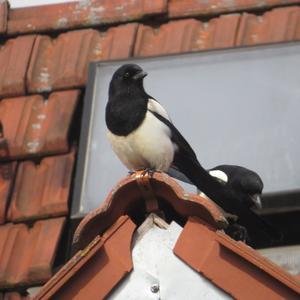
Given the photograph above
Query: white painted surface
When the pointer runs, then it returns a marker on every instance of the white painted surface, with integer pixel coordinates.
(287, 257)
(155, 263)
(24, 3)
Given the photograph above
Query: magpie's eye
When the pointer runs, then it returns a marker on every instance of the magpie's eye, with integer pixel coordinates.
(126, 75)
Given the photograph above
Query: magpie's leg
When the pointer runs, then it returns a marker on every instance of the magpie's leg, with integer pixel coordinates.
(237, 232)
(149, 171)
(145, 171)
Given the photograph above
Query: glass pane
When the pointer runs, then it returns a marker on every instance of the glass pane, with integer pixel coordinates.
(238, 106)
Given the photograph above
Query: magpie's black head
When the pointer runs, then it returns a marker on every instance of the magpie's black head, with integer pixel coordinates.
(126, 77)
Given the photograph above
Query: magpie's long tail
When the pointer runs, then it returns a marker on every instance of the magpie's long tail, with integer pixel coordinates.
(224, 197)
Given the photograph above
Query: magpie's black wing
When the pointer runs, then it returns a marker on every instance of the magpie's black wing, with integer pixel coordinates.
(185, 161)
(177, 138)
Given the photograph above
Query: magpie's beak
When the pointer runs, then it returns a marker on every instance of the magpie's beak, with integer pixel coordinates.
(140, 75)
(257, 201)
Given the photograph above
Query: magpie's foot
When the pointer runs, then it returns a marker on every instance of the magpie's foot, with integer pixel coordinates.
(237, 232)
(145, 171)
(149, 171)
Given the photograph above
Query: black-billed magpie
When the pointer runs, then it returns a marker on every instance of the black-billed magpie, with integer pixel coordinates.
(242, 181)
(143, 136)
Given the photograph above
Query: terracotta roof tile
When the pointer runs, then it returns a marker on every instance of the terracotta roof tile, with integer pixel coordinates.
(63, 62)
(48, 197)
(233, 266)
(27, 254)
(33, 125)
(80, 14)
(13, 296)
(131, 191)
(7, 173)
(3, 16)
(281, 24)
(179, 8)
(14, 59)
(107, 259)
(186, 35)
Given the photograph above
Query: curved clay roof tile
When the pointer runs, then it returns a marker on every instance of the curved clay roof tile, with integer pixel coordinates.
(153, 190)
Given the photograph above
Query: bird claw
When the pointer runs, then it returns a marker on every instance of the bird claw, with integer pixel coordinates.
(237, 232)
(148, 171)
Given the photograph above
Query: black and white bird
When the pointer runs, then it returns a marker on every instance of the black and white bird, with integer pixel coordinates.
(143, 136)
(242, 181)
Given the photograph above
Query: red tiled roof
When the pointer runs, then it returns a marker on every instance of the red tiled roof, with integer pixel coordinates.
(3, 16)
(107, 259)
(26, 254)
(62, 62)
(234, 267)
(179, 8)
(33, 125)
(7, 173)
(186, 35)
(48, 197)
(43, 50)
(81, 14)
(12, 296)
(15, 52)
(134, 187)
(281, 24)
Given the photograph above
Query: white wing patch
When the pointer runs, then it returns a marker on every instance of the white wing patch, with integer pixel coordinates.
(219, 175)
(155, 106)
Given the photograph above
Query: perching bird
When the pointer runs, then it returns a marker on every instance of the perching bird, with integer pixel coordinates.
(242, 180)
(143, 136)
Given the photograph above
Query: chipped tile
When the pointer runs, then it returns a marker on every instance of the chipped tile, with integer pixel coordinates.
(63, 62)
(35, 126)
(49, 195)
(278, 25)
(186, 35)
(81, 14)
(3, 16)
(179, 8)
(7, 174)
(27, 254)
(14, 59)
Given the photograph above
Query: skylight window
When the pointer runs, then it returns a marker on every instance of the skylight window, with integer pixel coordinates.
(235, 106)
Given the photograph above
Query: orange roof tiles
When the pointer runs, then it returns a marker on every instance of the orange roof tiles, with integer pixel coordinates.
(33, 125)
(81, 14)
(232, 266)
(27, 254)
(12, 296)
(95, 270)
(281, 24)
(135, 187)
(186, 35)
(14, 59)
(63, 62)
(49, 195)
(3, 16)
(178, 8)
(7, 174)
